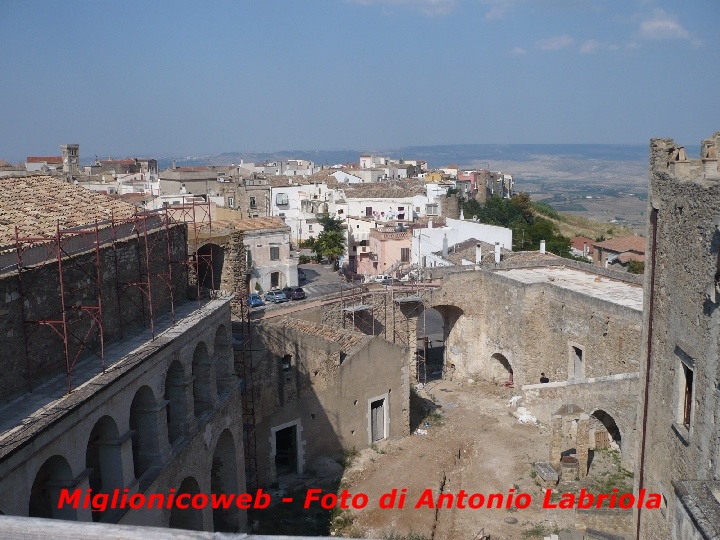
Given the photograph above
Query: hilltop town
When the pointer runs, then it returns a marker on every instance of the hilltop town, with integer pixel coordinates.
(356, 329)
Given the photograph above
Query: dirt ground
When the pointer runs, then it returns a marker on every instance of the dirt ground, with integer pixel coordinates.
(473, 443)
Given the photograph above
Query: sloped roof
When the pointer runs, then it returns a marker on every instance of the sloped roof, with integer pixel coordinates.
(44, 159)
(35, 204)
(347, 340)
(625, 243)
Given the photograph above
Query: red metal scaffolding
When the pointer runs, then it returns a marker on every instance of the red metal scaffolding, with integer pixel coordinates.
(76, 314)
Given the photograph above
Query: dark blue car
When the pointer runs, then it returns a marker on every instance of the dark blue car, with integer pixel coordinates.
(254, 300)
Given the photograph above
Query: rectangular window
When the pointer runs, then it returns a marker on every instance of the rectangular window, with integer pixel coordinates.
(231, 202)
(309, 228)
(405, 254)
(253, 204)
(368, 211)
(274, 253)
(687, 395)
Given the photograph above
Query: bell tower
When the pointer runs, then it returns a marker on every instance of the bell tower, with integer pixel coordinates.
(71, 158)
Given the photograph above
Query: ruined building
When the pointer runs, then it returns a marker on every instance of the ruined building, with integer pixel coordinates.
(679, 453)
(113, 379)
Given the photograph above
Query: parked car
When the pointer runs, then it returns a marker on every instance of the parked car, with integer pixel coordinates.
(276, 297)
(254, 300)
(301, 275)
(297, 294)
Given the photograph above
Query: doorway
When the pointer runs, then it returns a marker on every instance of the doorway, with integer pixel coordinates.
(286, 451)
(377, 420)
(274, 280)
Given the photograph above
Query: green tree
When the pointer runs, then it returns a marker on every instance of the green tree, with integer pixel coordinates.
(636, 267)
(330, 223)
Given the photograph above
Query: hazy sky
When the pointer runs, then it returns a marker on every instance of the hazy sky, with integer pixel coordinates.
(161, 78)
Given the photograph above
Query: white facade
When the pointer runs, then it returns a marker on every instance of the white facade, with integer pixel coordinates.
(300, 206)
(346, 178)
(384, 209)
(426, 241)
(270, 263)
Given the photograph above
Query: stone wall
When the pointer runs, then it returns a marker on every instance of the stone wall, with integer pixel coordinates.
(616, 395)
(168, 412)
(534, 327)
(683, 326)
(325, 392)
(124, 306)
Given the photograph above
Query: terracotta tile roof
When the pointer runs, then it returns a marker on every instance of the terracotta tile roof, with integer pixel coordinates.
(626, 243)
(346, 339)
(249, 224)
(579, 241)
(36, 203)
(630, 256)
(44, 159)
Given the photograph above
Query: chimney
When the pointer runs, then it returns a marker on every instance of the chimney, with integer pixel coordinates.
(478, 253)
(585, 249)
(542, 246)
(174, 166)
(497, 252)
(462, 214)
(445, 246)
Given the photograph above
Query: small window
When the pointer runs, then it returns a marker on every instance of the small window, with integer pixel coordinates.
(310, 228)
(231, 202)
(686, 395)
(253, 204)
(274, 253)
(368, 211)
(249, 258)
(286, 363)
(340, 211)
(405, 255)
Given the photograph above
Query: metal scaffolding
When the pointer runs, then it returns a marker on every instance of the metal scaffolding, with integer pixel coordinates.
(76, 315)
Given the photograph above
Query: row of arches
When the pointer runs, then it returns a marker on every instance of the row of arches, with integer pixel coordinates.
(154, 426)
(56, 474)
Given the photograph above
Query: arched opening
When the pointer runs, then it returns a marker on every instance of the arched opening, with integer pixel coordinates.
(224, 479)
(210, 263)
(176, 398)
(203, 382)
(607, 433)
(501, 372)
(451, 354)
(224, 372)
(54, 475)
(103, 456)
(189, 518)
(430, 343)
(143, 424)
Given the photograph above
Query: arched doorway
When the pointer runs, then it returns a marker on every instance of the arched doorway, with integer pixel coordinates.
(54, 475)
(143, 424)
(203, 381)
(103, 456)
(175, 396)
(430, 343)
(500, 370)
(452, 354)
(607, 433)
(224, 479)
(210, 260)
(188, 518)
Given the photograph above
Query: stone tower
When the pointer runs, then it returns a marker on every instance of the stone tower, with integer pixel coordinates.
(71, 158)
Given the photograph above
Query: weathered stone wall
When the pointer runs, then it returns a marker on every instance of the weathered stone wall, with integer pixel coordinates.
(326, 393)
(533, 326)
(154, 387)
(124, 306)
(616, 395)
(682, 273)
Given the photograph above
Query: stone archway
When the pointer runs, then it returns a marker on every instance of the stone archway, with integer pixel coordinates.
(103, 455)
(500, 370)
(186, 518)
(54, 475)
(177, 401)
(452, 353)
(223, 360)
(224, 479)
(204, 391)
(210, 260)
(143, 424)
(606, 431)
